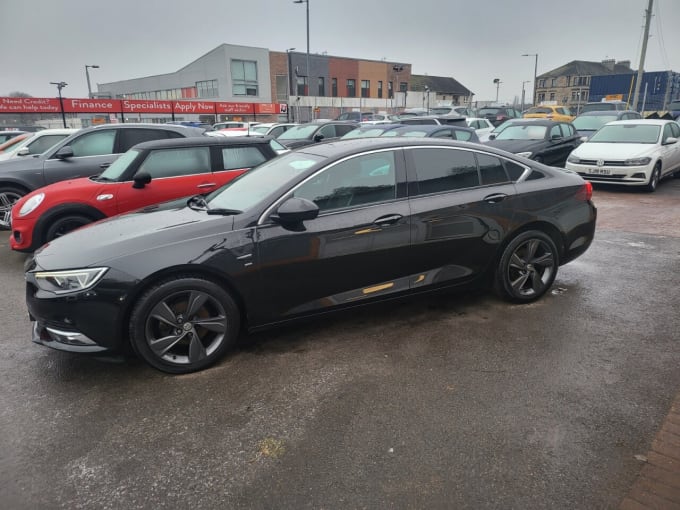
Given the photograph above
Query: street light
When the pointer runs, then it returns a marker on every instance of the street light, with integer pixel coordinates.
(533, 101)
(288, 79)
(60, 85)
(307, 7)
(87, 75)
(427, 91)
(498, 82)
(397, 68)
(524, 83)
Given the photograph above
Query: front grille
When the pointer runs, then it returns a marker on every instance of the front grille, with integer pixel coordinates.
(593, 162)
(600, 177)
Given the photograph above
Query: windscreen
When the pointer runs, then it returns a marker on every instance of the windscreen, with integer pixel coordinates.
(627, 133)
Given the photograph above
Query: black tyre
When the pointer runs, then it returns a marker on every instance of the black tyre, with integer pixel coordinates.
(654, 178)
(527, 267)
(184, 324)
(64, 225)
(8, 196)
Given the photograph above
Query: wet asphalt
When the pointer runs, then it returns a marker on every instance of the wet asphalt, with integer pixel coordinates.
(448, 401)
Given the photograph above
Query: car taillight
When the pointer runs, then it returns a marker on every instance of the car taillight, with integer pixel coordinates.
(585, 192)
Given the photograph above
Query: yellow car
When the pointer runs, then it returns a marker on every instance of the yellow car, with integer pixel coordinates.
(557, 113)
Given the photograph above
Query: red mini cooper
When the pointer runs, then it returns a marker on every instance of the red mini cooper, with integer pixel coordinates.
(149, 173)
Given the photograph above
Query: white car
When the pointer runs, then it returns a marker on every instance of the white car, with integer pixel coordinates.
(37, 143)
(630, 152)
(481, 126)
(272, 129)
(230, 124)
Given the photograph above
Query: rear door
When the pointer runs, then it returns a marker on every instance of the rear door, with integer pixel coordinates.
(461, 202)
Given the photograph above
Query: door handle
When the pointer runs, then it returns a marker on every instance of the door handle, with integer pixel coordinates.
(207, 185)
(495, 198)
(390, 219)
(105, 165)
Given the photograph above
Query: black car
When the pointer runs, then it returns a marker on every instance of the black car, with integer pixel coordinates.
(587, 123)
(542, 140)
(355, 116)
(313, 132)
(463, 134)
(424, 120)
(327, 227)
(87, 152)
(499, 114)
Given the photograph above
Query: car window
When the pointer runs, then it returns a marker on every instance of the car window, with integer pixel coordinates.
(343, 129)
(491, 169)
(40, 145)
(514, 170)
(675, 130)
(276, 131)
(667, 132)
(441, 170)
(362, 180)
(567, 130)
(463, 136)
(555, 131)
(94, 143)
(133, 136)
(241, 157)
(327, 131)
(175, 162)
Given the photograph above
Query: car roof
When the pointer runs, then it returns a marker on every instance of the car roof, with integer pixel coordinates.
(203, 141)
(593, 113)
(653, 122)
(540, 122)
(428, 128)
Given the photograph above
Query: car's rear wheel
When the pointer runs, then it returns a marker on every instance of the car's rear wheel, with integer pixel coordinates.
(527, 267)
(654, 178)
(184, 324)
(64, 225)
(8, 196)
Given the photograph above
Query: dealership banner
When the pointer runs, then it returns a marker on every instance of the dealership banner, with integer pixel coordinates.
(51, 105)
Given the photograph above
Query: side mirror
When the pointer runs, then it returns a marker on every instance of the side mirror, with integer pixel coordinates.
(24, 151)
(296, 210)
(492, 137)
(64, 153)
(318, 138)
(555, 138)
(584, 139)
(670, 140)
(141, 179)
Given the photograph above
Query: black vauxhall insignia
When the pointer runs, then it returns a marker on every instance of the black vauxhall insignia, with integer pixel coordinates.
(331, 226)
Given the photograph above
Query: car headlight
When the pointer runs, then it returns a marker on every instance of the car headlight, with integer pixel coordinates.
(74, 280)
(637, 161)
(573, 159)
(524, 154)
(31, 204)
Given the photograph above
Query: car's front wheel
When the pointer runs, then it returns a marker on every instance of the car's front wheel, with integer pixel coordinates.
(527, 268)
(184, 324)
(8, 196)
(654, 178)
(64, 225)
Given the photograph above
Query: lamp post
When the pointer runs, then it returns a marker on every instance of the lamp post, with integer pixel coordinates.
(498, 82)
(307, 8)
(535, 55)
(397, 68)
(288, 84)
(523, 83)
(60, 85)
(427, 91)
(87, 75)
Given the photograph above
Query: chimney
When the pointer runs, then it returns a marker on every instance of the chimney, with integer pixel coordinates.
(609, 63)
(624, 63)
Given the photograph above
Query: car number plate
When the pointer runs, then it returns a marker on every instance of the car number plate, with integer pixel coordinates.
(599, 171)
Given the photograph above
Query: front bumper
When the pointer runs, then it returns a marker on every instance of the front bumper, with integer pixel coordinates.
(63, 340)
(610, 174)
(21, 238)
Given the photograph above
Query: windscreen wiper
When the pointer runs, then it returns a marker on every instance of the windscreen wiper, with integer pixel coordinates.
(202, 203)
(224, 212)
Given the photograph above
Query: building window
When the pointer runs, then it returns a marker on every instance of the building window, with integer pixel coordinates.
(281, 88)
(365, 88)
(541, 97)
(206, 88)
(322, 86)
(390, 90)
(403, 86)
(379, 89)
(579, 95)
(351, 88)
(300, 85)
(334, 87)
(552, 96)
(541, 83)
(243, 78)
(580, 81)
(553, 82)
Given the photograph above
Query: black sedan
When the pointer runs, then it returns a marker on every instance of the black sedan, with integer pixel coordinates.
(329, 227)
(314, 132)
(542, 140)
(461, 133)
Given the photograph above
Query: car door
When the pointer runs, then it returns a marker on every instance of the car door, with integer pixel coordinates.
(175, 173)
(354, 250)
(672, 151)
(556, 149)
(93, 151)
(461, 210)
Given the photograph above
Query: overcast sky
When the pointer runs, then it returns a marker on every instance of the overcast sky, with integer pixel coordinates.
(472, 41)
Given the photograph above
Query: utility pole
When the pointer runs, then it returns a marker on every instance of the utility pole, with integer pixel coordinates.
(641, 68)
